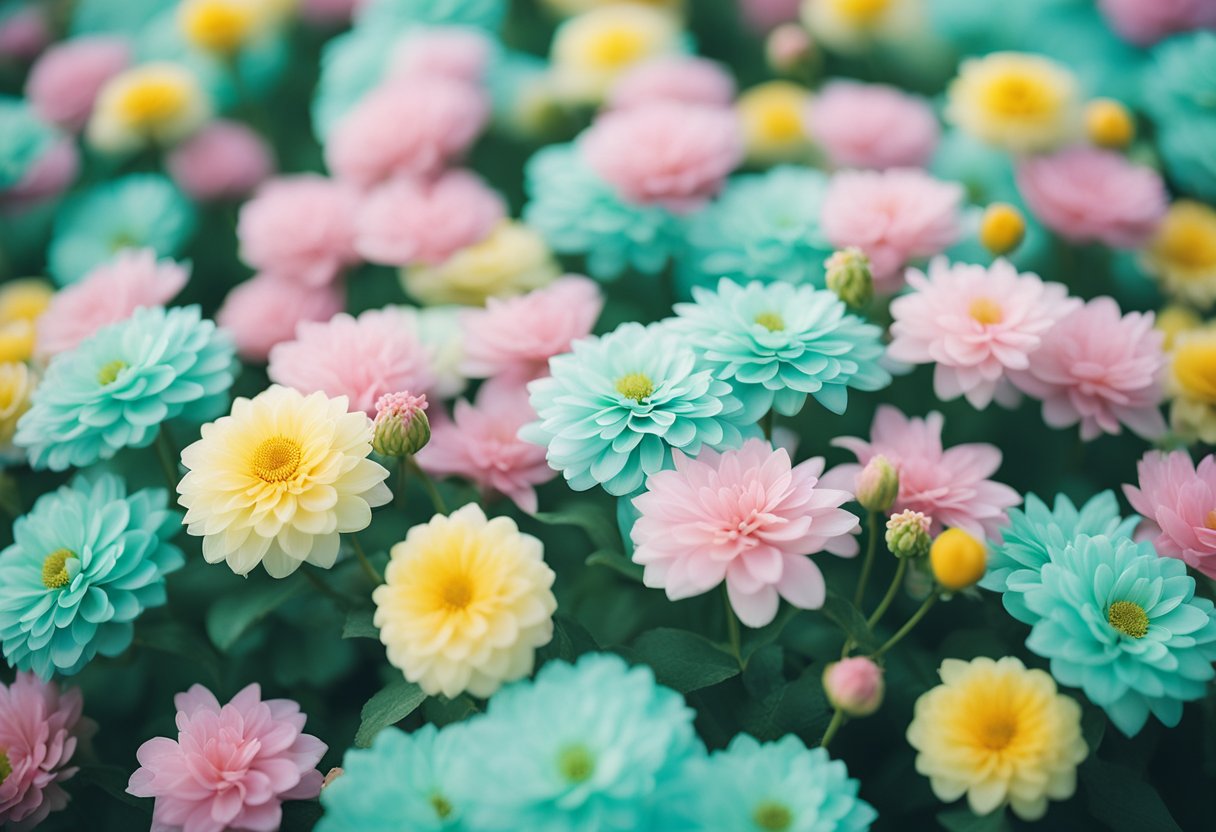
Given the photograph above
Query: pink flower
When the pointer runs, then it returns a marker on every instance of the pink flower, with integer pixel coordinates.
(763, 15)
(455, 52)
(407, 127)
(408, 220)
(1144, 22)
(265, 310)
(24, 33)
(225, 159)
(873, 126)
(64, 82)
(893, 216)
(480, 443)
(950, 486)
(670, 153)
(46, 179)
(300, 227)
(328, 12)
(517, 336)
(1086, 194)
(1178, 503)
(748, 517)
(854, 685)
(683, 78)
(106, 295)
(360, 358)
(231, 767)
(976, 324)
(1101, 368)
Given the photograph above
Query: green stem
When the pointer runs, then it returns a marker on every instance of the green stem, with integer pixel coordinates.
(368, 569)
(868, 564)
(892, 590)
(766, 425)
(732, 629)
(325, 589)
(403, 475)
(428, 484)
(168, 457)
(833, 727)
(907, 628)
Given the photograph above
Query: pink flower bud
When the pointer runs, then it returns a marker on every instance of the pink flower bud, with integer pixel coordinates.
(854, 685)
(788, 48)
(401, 426)
(878, 485)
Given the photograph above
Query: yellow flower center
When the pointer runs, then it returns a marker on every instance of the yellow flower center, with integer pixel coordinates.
(773, 816)
(109, 372)
(1210, 520)
(6, 768)
(1187, 239)
(1109, 124)
(1195, 369)
(153, 100)
(770, 321)
(457, 592)
(1019, 96)
(617, 46)
(442, 806)
(860, 12)
(575, 763)
(780, 123)
(636, 386)
(986, 311)
(217, 25)
(997, 732)
(55, 569)
(1128, 618)
(276, 459)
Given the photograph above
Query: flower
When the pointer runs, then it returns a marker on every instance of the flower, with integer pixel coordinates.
(224, 160)
(580, 748)
(771, 115)
(893, 216)
(950, 486)
(22, 303)
(788, 48)
(1017, 101)
(747, 517)
(1002, 228)
(1177, 86)
(109, 293)
(907, 534)
(511, 260)
(40, 728)
(591, 51)
(278, 479)
(999, 734)
(300, 227)
(84, 563)
(847, 275)
(223, 27)
(1182, 253)
(877, 485)
(266, 309)
(1144, 22)
(873, 126)
(777, 343)
(855, 25)
(401, 427)
(684, 78)
(359, 359)
(441, 333)
(157, 103)
(1125, 626)
(466, 602)
(1192, 380)
(1109, 124)
(854, 685)
(615, 407)
(957, 559)
(116, 387)
(25, 140)
(16, 384)
(1178, 503)
(48, 177)
(459, 52)
(231, 766)
(1086, 194)
(24, 32)
(63, 83)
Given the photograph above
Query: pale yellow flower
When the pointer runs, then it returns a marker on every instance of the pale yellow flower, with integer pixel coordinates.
(512, 260)
(565, 8)
(591, 50)
(1182, 255)
(1175, 320)
(223, 26)
(854, 25)
(773, 116)
(155, 103)
(24, 300)
(16, 384)
(1192, 381)
(17, 339)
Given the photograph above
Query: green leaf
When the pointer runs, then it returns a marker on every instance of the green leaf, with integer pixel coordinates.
(797, 707)
(231, 617)
(388, 707)
(177, 639)
(849, 619)
(754, 640)
(113, 781)
(616, 562)
(1120, 798)
(1093, 728)
(570, 640)
(600, 528)
(684, 660)
(359, 625)
(964, 820)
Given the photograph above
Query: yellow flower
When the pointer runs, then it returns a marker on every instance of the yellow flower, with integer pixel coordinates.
(853, 25)
(24, 300)
(773, 118)
(998, 733)
(17, 341)
(222, 26)
(1192, 381)
(154, 103)
(16, 384)
(1182, 255)
(1176, 320)
(278, 479)
(568, 7)
(1109, 124)
(1020, 102)
(591, 50)
(958, 560)
(1002, 228)
(466, 603)
(512, 260)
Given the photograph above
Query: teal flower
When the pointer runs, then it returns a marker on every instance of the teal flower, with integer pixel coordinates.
(142, 210)
(582, 748)
(115, 388)
(484, 14)
(778, 343)
(1181, 81)
(578, 213)
(614, 408)
(92, 17)
(23, 139)
(1125, 626)
(1188, 148)
(84, 563)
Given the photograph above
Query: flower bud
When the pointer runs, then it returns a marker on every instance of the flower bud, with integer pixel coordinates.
(401, 427)
(854, 685)
(1002, 228)
(1109, 124)
(334, 774)
(788, 49)
(908, 534)
(958, 560)
(849, 277)
(878, 485)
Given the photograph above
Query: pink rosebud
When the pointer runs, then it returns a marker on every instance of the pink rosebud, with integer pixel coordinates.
(47, 178)
(878, 485)
(788, 47)
(224, 160)
(64, 82)
(265, 310)
(873, 126)
(683, 78)
(400, 427)
(854, 685)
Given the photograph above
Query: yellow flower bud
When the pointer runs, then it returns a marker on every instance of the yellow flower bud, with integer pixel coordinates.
(1002, 228)
(958, 560)
(1109, 124)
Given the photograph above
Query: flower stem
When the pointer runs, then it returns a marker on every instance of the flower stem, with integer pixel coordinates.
(403, 475)
(907, 628)
(868, 564)
(428, 484)
(325, 589)
(833, 727)
(766, 425)
(885, 603)
(732, 629)
(168, 457)
(368, 569)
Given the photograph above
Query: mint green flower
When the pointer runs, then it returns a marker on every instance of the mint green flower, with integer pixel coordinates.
(1188, 148)
(23, 139)
(1181, 82)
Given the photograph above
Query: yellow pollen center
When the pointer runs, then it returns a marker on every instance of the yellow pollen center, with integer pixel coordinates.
(780, 123)
(109, 372)
(1128, 618)
(617, 46)
(1017, 96)
(6, 767)
(1188, 239)
(773, 816)
(1195, 370)
(770, 321)
(860, 11)
(985, 311)
(276, 459)
(636, 386)
(1210, 520)
(575, 763)
(997, 732)
(442, 806)
(456, 593)
(153, 101)
(55, 569)
(217, 25)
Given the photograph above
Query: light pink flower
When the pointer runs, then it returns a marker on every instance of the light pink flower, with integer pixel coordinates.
(64, 82)
(265, 310)
(1087, 194)
(409, 220)
(225, 159)
(1178, 504)
(300, 227)
(360, 358)
(106, 295)
(480, 443)
(457, 52)
(951, 485)
(24, 33)
(854, 685)
(1144, 22)
(894, 216)
(684, 78)
(1101, 368)
(873, 126)
(763, 15)
(670, 153)
(407, 127)
(976, 324)
(231, 767)
(747, 517)
(517, 336)
(47, 178)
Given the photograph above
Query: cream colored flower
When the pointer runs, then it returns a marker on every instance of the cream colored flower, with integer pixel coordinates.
(1192, 382)
(854, 25)
(1182, 255)
(16, 384)
(225, 26)
(591, 50)
(155, 103)
(22, 302)
(773, 118)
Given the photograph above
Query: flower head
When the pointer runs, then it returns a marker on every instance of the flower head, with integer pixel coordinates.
(873, 126)
(1182, 253)
(856, 25)
(155, 103)
(266, 309)
(63, 83)
(224, 160)
(16, 383)
(1178, 502)
(877, 485)
(1108, 123)
(458, 52)
(401, 427)
(1192, 381)
(772, 116)
(683, 78)
(854, 685)
(957, 559)
(592, 50)
(223, 27)
(512, 259)
(907, 534)
(1144, 22)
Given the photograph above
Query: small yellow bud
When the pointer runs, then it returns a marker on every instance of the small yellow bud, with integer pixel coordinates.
(1002, 228)
(958, 560)
(1109, 124)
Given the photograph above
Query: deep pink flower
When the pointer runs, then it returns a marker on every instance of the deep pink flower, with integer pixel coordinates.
(950, 486)
(748, 517)
(1178, 504)
(64, 82)
(457, 52)
(231, 767)
(976, 324)
(1088, 194)
(872, 126)
(1101, 368)
(265, 310)
(1144, 22)
(47, 178)
(225, 159)
(684, 78)
(894, 216)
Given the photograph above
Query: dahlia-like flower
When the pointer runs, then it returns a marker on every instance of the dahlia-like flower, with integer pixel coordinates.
(158, 103)
(63, 83)
(683, 78)
(1182, 254)
(510, 260)
(1144, 22)
(266, 309)
(17, 381)
(872, 126)
(772, 116)
(462, 53)
(1192, 382)
(49, 176)
(1178, 502)
(231, 766)
(976, 325)
(850, 27)
(592, 50)
(467, 601)
(278, 479)
(224, 160)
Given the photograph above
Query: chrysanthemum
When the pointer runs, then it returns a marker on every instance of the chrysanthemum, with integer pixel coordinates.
(853, 25)
(579, 749)
(684, 78)
(1125, 626)
(115, 388)
(1144, 22)
(747, 517)
(872, 126)
(590, 51)
(613, 409)
(26, 139)
(1192, 382)
(772, 117)
(1182, 254)
(17, 382)
(999, 734)
(511, 260)
(976, 325)
(466, 603)
(63, 84)
(155, 103)
(266, 309)
(84, 563)
(776, 344)
(276, 481)
(1178, 502)
(224, 160)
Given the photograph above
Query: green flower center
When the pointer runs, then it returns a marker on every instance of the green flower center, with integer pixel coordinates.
(1128, 618)
(6, 768)
(55, 569)
(576, 763)
(442, 806)
(109, 372)
(773, 816)
(636, 386)
(771, 321)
